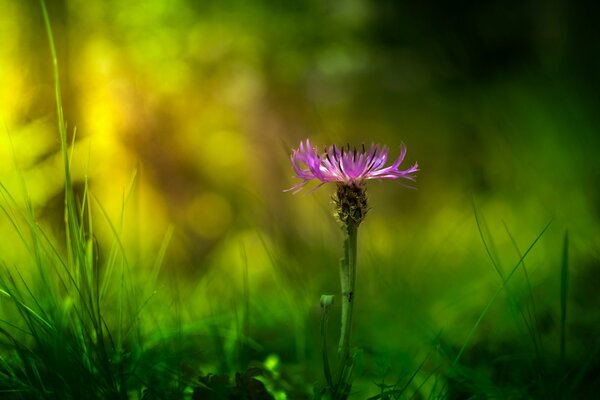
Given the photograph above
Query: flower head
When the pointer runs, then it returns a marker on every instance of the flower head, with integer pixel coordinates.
(347, 166)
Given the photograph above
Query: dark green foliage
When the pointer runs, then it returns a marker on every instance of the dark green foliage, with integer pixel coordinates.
(220, 387)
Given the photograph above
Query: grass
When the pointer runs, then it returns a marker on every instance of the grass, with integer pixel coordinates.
(78, 323)
(71, 330)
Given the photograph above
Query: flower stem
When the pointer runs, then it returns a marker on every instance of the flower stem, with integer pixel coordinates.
(347, 280)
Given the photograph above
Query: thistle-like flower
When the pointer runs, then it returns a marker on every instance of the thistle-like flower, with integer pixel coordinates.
(350, 167)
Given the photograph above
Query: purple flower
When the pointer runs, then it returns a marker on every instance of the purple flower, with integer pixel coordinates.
(348, 166)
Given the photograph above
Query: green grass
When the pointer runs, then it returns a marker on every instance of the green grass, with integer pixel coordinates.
(71, 330)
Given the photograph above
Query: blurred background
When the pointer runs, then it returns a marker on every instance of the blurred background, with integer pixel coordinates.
(186, 113)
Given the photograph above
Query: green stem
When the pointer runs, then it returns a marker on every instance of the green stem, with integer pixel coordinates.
(347, 280)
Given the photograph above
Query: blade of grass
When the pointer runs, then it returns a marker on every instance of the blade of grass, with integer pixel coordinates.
(243, 350)
(291, 298)
(564, 284)
(516, 307)
(75, 243)
(489, 248)
(400, 392)
(535, 334)
(492, 255)
(493, 299)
